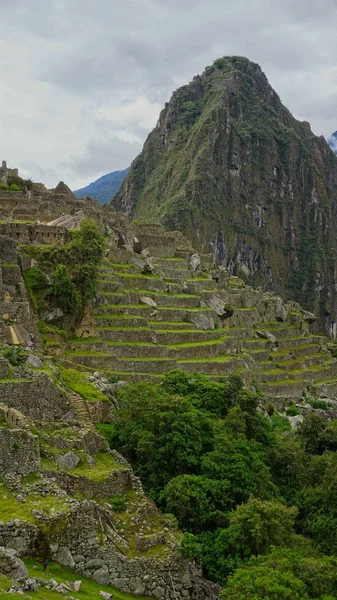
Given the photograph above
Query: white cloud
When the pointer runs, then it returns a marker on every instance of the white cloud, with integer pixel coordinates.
(83, 82)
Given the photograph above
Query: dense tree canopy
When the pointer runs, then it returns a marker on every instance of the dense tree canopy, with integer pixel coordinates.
(257, 501)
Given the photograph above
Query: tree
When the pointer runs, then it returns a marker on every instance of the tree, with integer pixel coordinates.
(240, 463)
(198, 502)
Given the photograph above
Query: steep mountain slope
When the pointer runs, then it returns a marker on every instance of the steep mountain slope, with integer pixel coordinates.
(103, 188)
(229, 166)
(332, 141)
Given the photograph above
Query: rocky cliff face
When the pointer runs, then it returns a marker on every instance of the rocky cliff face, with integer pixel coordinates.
(229, 166)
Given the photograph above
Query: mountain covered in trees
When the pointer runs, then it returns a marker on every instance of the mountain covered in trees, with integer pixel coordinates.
(229, 166)
(104, 188)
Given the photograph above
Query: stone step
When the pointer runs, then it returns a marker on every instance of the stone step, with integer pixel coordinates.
(299, 374)
(125, 350)
(326, 387)
(171, 325)
(307, 361)
(109, 320)
(172, 337)
(280, 332)
(296, 341)
(173, 263)
(199, 285)
(176, 300)
(222, 365)
(151, 365)
(175, 274)
(197, 350)
(141, 282)
(136, 310)
(258, 354)
(113, 298)
(181, 253)
(257, 344)
(109, 286)
(286, 388)
(129, 334)
(303, 350)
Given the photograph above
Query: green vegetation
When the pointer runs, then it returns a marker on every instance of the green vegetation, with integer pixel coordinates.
(79, 383)
(66, 276)
(256, 500)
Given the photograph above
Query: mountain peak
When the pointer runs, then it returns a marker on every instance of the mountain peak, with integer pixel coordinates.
(222, 166)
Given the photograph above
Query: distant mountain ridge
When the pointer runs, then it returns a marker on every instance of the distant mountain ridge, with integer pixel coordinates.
(104, 188)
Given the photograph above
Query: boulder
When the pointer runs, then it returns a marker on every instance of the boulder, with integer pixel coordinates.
(51, 315)
(148, 301)
(74, 586)
(202, 321)
(309, 317)
(34, 361)
(223, 310)
(11, 565)
(106, 595)
(68, 460)
(102, 575)
(194, 263)
(281, 311)
(266, 335)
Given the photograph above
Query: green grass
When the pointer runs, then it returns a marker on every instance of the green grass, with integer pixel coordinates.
(84, 340)
(89, 588)
(215, 359)
(10, 508)
(284, 382)
(101, 470)
(10, 264)
(195, 344)
(321, 381)
(83, 353)
(78, 382)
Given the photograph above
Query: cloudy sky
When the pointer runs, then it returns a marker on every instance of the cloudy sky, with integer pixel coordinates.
(83, 81)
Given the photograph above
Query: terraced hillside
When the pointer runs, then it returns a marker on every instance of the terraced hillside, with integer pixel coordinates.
(148, 324)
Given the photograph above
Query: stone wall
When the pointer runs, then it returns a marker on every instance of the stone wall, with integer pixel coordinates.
(38, 399)
(19, 452)
(77, 544)
(21, 536)
(34, 234)
(119, 482)
(161, 243)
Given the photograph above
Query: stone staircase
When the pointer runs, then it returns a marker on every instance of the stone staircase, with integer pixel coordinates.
(150, 324)
(81, 410)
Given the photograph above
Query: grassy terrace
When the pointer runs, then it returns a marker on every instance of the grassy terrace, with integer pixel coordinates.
(216, 359)
(77, 382)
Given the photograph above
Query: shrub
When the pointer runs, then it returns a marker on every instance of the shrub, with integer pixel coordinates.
(13, 356)
(113, 379)
(292, 410)
(3, 186)
(64, 291)
(118, 503)
(319, 404)
(14, 188)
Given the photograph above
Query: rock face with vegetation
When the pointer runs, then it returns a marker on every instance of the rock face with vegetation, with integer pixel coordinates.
(229, 166)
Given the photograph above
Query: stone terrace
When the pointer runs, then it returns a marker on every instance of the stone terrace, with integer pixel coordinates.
(148, 324)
